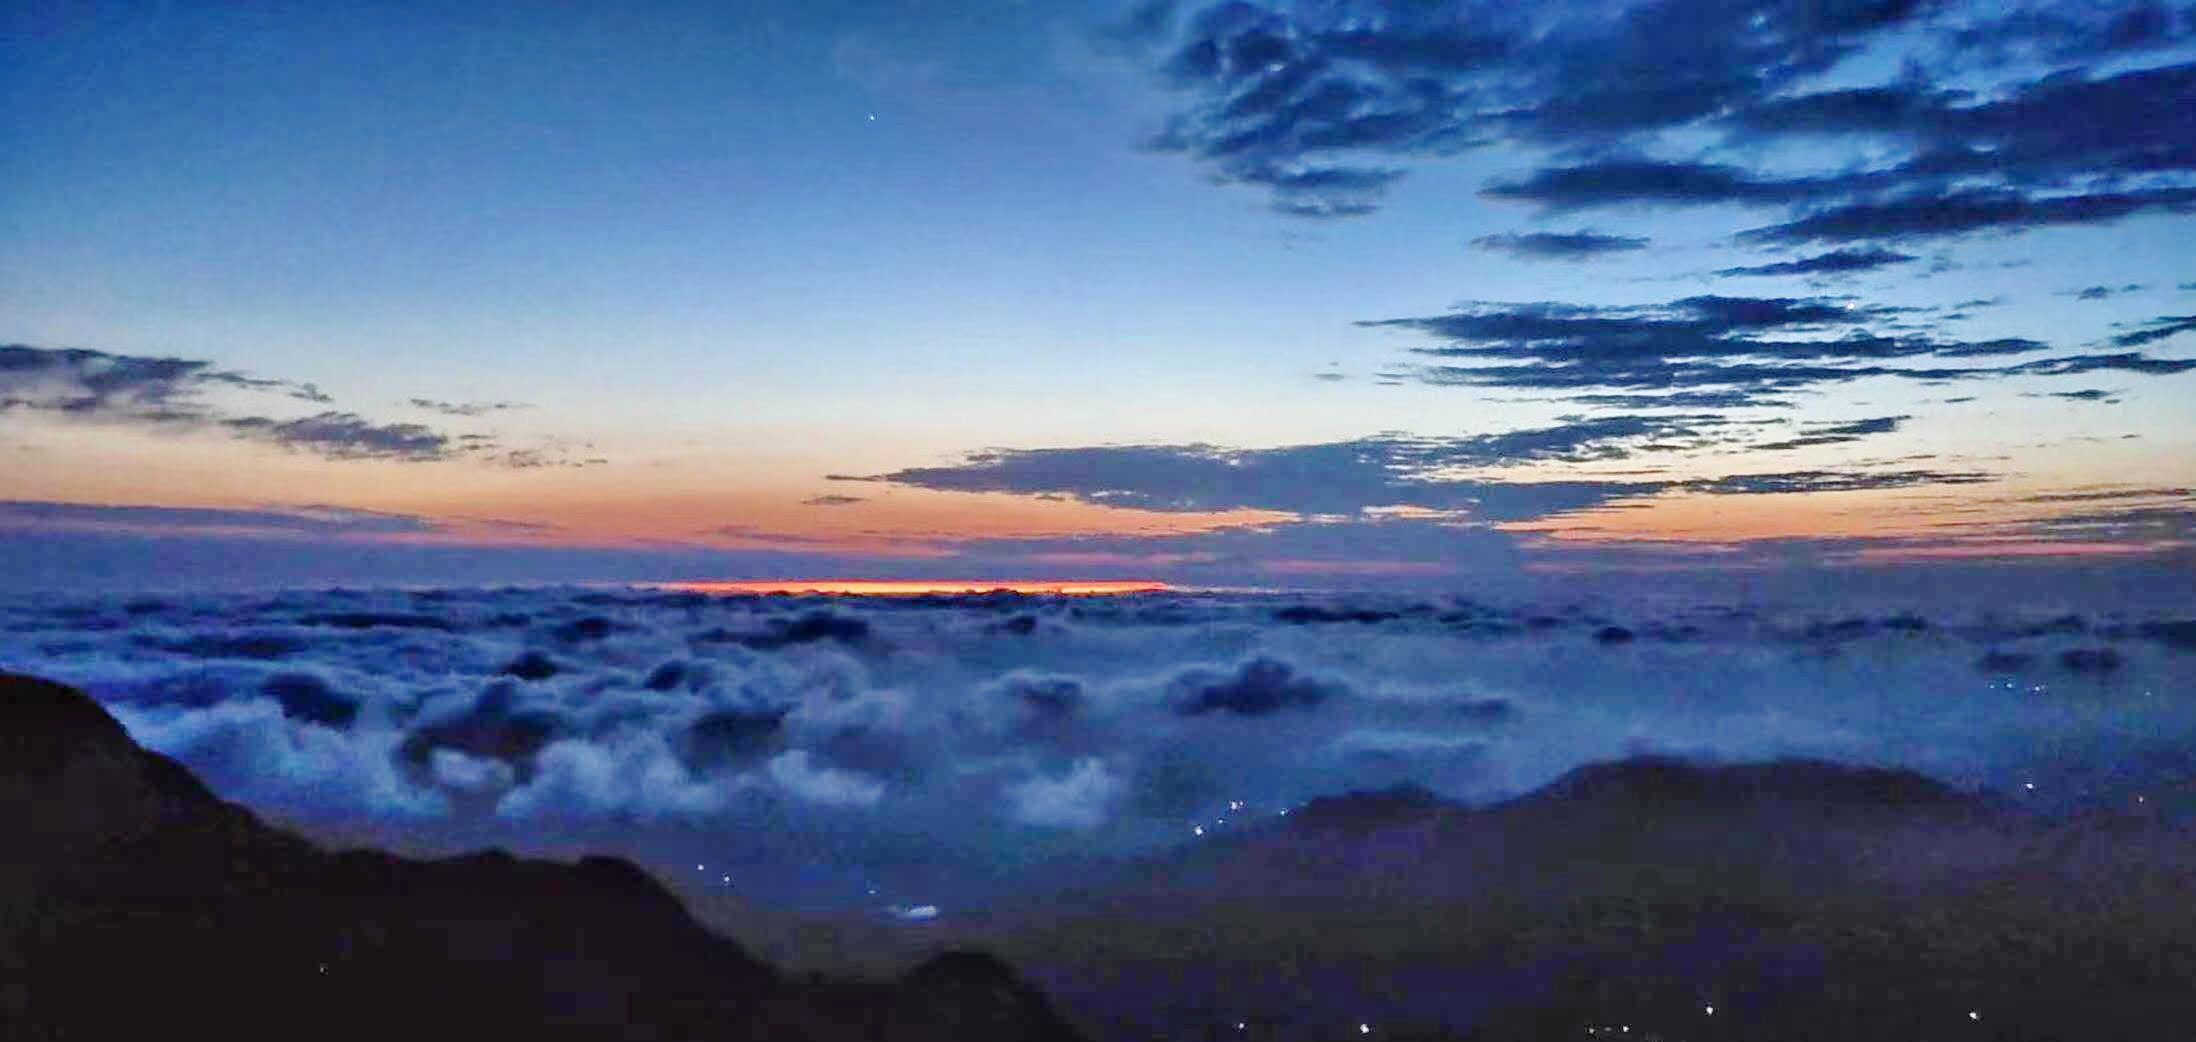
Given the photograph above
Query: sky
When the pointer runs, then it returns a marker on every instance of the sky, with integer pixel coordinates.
(1320, 294)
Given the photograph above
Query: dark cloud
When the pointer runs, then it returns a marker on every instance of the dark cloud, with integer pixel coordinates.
(2157, 329)
(1608, 182)
(1767, 379)
(309, 697)
(2090, 395)
(1960, 211)
(96, 386)
(1326, 105)
(2070, 32)
(1835, 481)
(1681, 400)
(528, 459)
(503, 723)
(465, 408)
(1286, 99)
(1328, 478)
(2101, 495)
(2102, 292)
(1569, 246)
(1261, 687)
(832, 500)
(87, 382)
(1837, 433)
(303, 520)
(346, 436)
(2128, 362)
(1693, 326)
(1747, 346)
(1836, 262)
(2034, 133)
(2001, 164)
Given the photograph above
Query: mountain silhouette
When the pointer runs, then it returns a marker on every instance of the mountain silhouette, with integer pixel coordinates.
(135, 904)
(1796, 899)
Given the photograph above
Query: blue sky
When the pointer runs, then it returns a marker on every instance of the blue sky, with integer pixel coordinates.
(708, 257)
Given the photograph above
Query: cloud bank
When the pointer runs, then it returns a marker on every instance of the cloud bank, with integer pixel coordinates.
(936, 744)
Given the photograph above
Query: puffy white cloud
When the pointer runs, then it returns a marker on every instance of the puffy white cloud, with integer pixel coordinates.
(250, 752)
(636, 776)
(1081, 799)
(827, 786)
(456, 770)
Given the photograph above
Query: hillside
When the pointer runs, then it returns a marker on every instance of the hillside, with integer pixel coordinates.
(137, 904)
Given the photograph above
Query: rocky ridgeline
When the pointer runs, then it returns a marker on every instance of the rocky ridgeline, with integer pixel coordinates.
(135, 904)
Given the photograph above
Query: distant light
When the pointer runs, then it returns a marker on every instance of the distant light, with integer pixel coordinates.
(698, 868)
(2031, 786)
(1240, 1025)
(1364, 1029)
(1710, 1010)
(1199, 829)
(1972, 1015)
(729, 879)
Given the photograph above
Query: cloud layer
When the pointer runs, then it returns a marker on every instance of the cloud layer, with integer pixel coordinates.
(923, 749)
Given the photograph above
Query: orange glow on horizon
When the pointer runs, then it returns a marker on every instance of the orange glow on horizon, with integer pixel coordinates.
(916, 587)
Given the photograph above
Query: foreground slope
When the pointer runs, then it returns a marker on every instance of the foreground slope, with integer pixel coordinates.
(134, 903)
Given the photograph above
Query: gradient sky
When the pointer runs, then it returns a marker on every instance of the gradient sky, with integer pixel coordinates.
(1311, 294)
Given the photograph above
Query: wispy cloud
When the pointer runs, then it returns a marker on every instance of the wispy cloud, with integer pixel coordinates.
(1835, 262)
(342, 435)
(98, 387)
(1836, 481)
(309, 519)
(95, 383)
(1564, 246)
(1326, 106)
(1756, 347)
(465, 408)
(2161, 328)
(1836, 433)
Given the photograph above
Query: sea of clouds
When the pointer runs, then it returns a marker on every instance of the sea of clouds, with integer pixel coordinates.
(922, 753)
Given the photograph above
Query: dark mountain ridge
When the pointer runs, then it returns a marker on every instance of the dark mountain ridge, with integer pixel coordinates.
(1801, 899)
(134, 903)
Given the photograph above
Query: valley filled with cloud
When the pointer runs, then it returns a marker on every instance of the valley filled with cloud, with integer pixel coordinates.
(853, 756)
